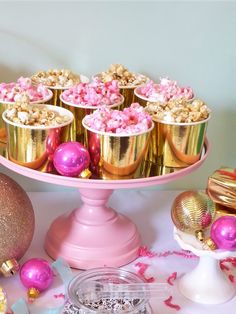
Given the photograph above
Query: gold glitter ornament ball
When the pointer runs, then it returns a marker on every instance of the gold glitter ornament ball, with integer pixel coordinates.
(16, 220)
(192, 211)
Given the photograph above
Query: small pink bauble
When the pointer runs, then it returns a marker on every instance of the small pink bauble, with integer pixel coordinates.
(36, 273)
(71, 158)
(223, 233)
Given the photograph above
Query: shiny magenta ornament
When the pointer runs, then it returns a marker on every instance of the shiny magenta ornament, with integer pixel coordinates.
(36, 274)
(223, 233)
(71, 158)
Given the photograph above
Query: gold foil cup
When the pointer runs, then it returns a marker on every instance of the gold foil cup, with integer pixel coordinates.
(141, 99)
(126, 91)
(222, 187)
(77, 130)
(58, 90)
(115, 156)
(34, 146)
(4, 105)
(177, 145)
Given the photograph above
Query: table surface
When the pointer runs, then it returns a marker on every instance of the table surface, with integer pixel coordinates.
(150, 210)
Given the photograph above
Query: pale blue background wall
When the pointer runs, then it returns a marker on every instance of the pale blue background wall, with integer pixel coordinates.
(192, 42)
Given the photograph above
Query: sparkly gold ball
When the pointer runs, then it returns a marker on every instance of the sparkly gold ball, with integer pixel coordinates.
(192, 211)
(16, 220)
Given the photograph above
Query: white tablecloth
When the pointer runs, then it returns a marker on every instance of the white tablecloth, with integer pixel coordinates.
(150, 210)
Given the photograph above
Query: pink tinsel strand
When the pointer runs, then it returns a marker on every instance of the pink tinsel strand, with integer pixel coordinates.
(223, 266)
(60, 295)
(168, 302)
(231, 278)
(171, 278)
(182, 253)
(142, 267)
(231, 260)
(145, 252)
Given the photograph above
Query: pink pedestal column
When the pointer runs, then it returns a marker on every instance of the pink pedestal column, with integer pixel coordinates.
(93, 235)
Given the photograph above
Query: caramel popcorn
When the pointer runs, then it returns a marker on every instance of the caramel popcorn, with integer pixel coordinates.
(34, 115)
(125, 78)
(56, 78)
(179, 111)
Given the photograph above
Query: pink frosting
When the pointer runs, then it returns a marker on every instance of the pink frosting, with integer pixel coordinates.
(129, 121)
(164, 91)
(95, 93)
(12, 91)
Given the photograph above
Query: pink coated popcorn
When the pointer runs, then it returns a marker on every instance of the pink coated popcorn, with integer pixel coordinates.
(129, 121)
(164, 91)
(94, 94)
(11, 92)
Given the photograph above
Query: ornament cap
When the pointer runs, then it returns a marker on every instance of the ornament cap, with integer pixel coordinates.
(210, 244)
(85, 174)
(33, 293)
(199, 235)
(9, 267)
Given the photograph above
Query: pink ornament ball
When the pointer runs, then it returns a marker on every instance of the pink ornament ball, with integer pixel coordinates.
(71, 158)
(223, 233)
(36, 273)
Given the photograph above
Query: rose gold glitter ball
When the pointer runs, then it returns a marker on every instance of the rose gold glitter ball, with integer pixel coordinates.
(16, 220)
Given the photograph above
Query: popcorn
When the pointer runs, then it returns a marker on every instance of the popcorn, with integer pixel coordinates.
(124, 77)
(56, 78)
(95, 93)
(179, 111)
(25, 114)
(23, 90)
(131, 120)
(164, 91)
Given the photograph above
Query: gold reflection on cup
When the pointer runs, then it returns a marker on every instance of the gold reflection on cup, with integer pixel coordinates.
(128, 93)
(177, 145)
(116, 156)
(3, 134)
(56, 101)
(76, 128)
(33, 147)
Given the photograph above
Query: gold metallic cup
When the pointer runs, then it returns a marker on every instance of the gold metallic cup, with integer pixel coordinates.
(139, 98)
(4, 105)
(115, 156)
(126, 91)
(177, 145)
(34, 146)
(58, 90)
(77, 131)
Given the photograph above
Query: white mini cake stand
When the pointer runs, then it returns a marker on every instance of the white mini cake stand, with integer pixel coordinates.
(206, 283)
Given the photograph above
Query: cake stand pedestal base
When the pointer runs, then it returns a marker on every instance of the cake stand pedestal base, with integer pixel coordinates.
(93, 235)
(206, 283)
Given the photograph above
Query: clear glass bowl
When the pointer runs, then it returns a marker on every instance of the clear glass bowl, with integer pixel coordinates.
(76, 305)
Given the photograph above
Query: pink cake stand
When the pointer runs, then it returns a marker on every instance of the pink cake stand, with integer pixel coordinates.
(95, 235)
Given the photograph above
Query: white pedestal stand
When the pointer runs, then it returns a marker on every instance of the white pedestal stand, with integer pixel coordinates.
(207, 283)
